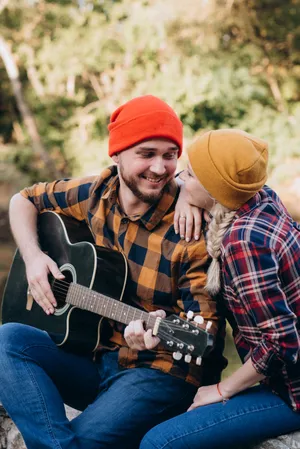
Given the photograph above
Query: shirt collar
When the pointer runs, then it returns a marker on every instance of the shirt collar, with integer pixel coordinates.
(251, 204)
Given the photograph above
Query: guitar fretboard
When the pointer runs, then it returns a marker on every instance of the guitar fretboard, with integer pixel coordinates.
(95, 302)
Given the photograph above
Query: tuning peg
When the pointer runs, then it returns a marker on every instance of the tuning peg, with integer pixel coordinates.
(177, 355)
(199, 319)
(198, 361)
(188, 358)
(190, 315)
(208, 325)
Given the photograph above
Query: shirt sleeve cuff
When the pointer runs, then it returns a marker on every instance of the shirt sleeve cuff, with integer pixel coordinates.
(265, 360)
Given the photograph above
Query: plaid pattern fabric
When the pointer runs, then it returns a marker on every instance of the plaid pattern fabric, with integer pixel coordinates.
(165, 271)
(261, 276)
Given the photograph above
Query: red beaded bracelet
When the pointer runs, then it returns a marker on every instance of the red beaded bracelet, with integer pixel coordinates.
(224, 400)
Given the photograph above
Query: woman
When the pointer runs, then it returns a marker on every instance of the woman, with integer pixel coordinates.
(255, 250)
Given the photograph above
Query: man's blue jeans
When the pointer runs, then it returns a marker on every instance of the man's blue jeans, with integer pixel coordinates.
(120, 405)
(246, 419)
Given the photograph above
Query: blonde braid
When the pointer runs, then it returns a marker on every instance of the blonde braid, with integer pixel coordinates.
(222, 218)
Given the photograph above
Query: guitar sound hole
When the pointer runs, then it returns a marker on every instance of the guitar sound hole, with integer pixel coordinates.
(63, 287)
(60, 288)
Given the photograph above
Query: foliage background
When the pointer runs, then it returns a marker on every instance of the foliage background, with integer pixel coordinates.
(65, 65)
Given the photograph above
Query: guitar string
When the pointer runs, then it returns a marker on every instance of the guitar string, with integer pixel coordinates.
(61, 287)
(170, 326)
(166, 336)
(60, 292)
(61, 281)
(63, 290)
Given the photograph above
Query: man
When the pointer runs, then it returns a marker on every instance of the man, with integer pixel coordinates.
(129, 207)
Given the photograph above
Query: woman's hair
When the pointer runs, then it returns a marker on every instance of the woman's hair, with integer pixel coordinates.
(222, 218)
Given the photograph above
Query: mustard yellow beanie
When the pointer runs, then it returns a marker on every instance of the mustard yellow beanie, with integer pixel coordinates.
(230, 164)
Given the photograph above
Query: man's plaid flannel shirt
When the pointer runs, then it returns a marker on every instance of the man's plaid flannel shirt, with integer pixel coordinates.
(165, 271)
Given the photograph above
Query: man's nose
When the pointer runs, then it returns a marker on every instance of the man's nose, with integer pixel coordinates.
(158, 166)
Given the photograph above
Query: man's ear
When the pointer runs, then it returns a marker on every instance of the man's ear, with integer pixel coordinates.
(115, 158)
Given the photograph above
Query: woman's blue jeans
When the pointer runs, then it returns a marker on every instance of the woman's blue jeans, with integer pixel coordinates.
(120, 405)
(246, 419)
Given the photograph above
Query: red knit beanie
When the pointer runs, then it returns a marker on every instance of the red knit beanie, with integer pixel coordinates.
(143, 118)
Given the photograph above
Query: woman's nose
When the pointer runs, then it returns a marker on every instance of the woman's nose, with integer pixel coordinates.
(183, 175)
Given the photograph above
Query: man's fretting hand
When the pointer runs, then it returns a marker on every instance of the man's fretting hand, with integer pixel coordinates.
(138, 338)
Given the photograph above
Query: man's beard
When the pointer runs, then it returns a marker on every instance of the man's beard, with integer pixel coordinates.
(132, 184)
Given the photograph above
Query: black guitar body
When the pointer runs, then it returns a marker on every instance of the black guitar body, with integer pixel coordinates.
(70, 244)
(93, 289)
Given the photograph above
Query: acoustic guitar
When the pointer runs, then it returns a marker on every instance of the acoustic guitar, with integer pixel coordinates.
(93, 289)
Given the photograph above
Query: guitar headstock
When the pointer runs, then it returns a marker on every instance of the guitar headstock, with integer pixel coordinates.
(185, 338)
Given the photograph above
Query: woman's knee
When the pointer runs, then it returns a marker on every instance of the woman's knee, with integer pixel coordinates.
(148, 443)
(160, 437)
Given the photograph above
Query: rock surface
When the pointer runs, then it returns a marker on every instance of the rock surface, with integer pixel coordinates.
(10, 438)
(290, 441)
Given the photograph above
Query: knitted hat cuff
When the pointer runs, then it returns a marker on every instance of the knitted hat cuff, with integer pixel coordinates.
(154, 124)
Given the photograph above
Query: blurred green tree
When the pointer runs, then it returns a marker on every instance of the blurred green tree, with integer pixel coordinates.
(219, 63)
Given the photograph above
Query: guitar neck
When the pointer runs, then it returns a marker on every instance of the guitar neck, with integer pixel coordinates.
(103, 305)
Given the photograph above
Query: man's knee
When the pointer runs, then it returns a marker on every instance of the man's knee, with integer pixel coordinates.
(17, 336)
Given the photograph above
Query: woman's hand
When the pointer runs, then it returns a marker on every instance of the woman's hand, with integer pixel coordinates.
(244, 377)
(137, 338)
(206, 395)
(187, 218)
